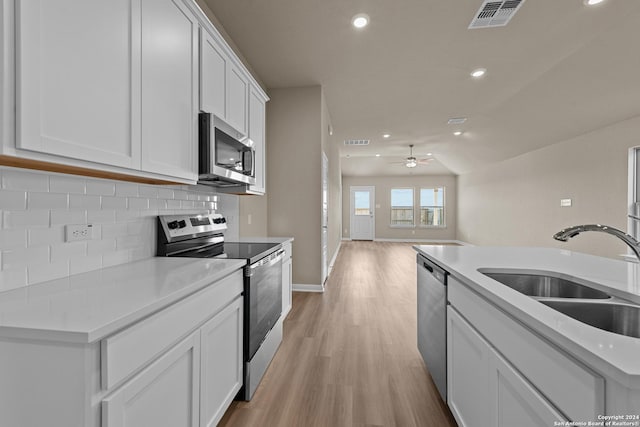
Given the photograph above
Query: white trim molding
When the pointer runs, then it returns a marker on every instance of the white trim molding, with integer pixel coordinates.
(305, 287)
(333, 260)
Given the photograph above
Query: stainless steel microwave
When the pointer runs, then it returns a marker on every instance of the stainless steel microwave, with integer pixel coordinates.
(226, 158)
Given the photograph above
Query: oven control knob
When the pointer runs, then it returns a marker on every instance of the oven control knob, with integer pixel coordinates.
(220, 220)
(182, 224)
(173, 225)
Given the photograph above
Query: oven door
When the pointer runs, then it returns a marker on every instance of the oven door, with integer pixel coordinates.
(263, 300)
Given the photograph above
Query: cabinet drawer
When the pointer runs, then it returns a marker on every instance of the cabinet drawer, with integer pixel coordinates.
(125, 352)
(572, 388)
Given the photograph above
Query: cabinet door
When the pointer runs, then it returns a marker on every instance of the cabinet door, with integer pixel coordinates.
(286, 286)
(221, 362)
(237, 98)
(78, 79)
(169, 88)
(256, 133)
(163, 394)
(213, 72)
(516, 401)
(467, 373)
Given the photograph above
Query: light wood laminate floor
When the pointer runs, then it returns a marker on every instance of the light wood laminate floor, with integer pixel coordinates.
(349, 356)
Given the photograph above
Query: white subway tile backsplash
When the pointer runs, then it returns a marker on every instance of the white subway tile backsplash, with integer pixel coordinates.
(65, 251)
(100, 247)
(66, 184)
(46, 236)
(165, 193)
(138, 203)
(101, 188)
(114, 230)
(14, 200)
(115, 258)
(43, 272)
(82, 265)
(173, 204)
(13, 278)
(127, 189)
(148, 191)
(114, 202)
(17, 258)
(13, 239)
(101, 217)
(47, 201)
(15, 179)
(35, 207)
(80, 201)
(25, 219)
(63, 217)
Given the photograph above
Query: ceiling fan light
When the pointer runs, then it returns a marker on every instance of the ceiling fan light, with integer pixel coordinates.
(411, 163)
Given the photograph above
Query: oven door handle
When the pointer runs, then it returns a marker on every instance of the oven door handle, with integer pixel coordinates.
(269, 260)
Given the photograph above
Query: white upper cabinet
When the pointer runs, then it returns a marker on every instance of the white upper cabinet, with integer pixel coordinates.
(237, 96)
(256, 134)
(169, 88)
(78, 79)
(213, 72)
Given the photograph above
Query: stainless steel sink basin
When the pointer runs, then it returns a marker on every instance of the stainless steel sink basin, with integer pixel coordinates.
(534, 285)
(617, 318)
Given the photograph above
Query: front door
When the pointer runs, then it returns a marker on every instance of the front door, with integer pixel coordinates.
(362, 213)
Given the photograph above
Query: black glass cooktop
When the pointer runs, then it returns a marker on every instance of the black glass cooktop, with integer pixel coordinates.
(252, 252)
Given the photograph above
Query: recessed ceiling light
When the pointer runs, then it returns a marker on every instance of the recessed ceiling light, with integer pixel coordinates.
(458, 133)
(386, 135)
(429, 154)
(361, 20)
(377, 155)
(456, 120)
(478, 72)
(592, 2)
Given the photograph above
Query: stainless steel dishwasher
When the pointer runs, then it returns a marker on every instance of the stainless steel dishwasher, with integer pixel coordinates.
(432, 321)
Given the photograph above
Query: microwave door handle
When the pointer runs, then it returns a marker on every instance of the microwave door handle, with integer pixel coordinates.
(253, 162)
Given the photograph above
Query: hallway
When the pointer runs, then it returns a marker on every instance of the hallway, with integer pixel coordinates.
(349, 356)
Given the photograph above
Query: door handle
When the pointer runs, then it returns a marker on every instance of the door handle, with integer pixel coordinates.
(428, 267)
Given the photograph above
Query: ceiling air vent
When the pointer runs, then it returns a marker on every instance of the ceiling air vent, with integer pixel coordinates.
(356, 142)
(495, 13)
(456, 120)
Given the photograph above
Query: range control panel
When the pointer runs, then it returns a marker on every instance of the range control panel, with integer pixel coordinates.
(175, 226)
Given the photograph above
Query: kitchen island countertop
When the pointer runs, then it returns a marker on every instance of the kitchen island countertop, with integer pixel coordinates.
(614, 355)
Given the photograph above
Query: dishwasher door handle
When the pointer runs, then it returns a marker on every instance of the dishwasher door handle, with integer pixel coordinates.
(428, 267)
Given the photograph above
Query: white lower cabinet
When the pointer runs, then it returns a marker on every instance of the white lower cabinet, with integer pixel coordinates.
(164, 394)
(485, 389)
(467, 372)
(221, 374)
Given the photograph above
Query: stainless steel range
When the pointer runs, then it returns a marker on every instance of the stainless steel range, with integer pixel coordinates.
(201, 236)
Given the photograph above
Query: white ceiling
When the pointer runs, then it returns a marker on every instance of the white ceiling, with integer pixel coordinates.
(558, 70)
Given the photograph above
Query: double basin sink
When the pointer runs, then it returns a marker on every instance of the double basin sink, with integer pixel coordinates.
(583, 303)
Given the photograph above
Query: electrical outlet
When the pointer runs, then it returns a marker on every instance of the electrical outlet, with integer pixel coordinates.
(75, 233)
(565, 203)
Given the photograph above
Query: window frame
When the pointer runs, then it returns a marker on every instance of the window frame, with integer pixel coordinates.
(413, 208)
(444, 207)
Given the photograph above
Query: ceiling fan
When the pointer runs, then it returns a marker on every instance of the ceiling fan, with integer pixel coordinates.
(412, 161)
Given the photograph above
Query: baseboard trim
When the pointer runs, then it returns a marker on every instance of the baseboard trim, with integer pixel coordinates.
(333, 259)
(305, 287)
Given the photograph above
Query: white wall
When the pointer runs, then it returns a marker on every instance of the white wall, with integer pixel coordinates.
(383, 186)
(35, 206)
(517, 201)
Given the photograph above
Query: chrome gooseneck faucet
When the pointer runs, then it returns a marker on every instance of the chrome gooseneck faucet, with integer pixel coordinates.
(567, 233)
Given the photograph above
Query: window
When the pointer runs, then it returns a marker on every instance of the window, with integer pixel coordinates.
(362, 201)
(402, 206)
(432, 207)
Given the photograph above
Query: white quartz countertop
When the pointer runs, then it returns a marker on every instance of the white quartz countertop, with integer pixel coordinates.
(614, 355)
(88, 307)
